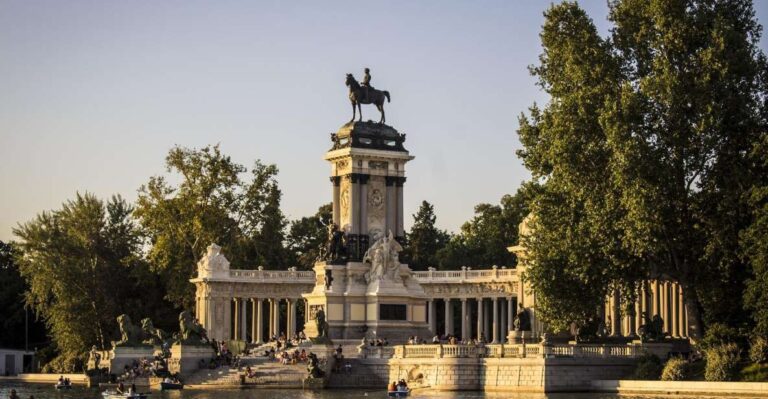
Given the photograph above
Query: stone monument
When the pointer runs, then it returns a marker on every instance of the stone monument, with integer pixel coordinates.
(129, 348)
(368, 289)
(190, 347)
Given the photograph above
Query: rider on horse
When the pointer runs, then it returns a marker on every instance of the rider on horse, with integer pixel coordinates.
(366, 83)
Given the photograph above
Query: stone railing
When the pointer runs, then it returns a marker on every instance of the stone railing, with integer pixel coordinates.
(376, 352)
(465, 275)
(290, 276)
(517, 351)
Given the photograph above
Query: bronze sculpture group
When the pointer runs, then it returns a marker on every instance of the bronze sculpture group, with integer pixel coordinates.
(131, 335)
(364, 93)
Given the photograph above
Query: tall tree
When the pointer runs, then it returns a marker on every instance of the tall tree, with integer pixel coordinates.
(14, 315)
(211, 204)
(424, 239)
(644, 145)
(483, 241)
(81, 263)
(308, 235)
(754, 243)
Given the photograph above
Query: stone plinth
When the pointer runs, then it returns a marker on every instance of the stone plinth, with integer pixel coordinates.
(353, 306)
(125, 356)
(185, 359)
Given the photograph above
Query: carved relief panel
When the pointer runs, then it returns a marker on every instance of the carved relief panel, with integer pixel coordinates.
(377, 196)
(345, 203)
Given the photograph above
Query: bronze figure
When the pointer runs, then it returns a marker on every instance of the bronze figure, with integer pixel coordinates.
(365, 95)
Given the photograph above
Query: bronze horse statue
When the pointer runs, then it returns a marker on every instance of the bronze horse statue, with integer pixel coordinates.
(357, 95)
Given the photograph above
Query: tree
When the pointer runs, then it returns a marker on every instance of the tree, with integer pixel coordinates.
(81, 263)
(211, 204)
(483, 241)
(308, 235)
(12, 306)
(754, 244)
(644, 145)
(424, 239)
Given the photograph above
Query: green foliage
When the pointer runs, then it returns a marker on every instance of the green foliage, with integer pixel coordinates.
(722, 362)
(483, 241)
(649, 367)
(309, 234)
(211, 204)
(758, 350)
(82, 268)
(720, 334)
(424, 239)
(754, 243)
(676, 369)
(12, 309)
(754, 373)
(643, 154)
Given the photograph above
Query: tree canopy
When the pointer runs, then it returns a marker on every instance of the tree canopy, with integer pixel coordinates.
(643, 154)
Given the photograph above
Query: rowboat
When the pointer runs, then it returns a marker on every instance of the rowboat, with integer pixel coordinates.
(167, 386)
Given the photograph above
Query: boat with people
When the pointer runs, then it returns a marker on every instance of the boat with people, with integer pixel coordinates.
(63, 383)
(398, 389)
(399, 394)
(124, 395)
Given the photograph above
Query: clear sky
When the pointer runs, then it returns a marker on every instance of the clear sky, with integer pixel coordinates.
(94, 93)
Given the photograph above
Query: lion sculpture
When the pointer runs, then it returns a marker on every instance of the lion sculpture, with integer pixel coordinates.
(152, 335)
(130, 334)
(190, 331)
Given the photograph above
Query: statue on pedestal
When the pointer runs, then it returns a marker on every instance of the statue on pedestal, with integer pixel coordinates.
(384, 258)
(322, 325)
(335, 250)
(151, 334)
(522, 319)
(130, 334)
(313, 367)
(190, 331)
(365, 94)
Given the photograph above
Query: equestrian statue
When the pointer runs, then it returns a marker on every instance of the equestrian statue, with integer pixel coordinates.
(364, 93)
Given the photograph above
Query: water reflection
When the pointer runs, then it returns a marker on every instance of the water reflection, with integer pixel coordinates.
(46, 391)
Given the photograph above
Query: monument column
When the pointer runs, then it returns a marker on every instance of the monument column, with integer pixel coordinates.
(479, 318)
(363, 222)
(464, 320)
(259, 321)
(681, 312)
(236, 332)
(336, 181)
(277, 317)
(656, 289)
(510, 316)
(503, 320)
(431, 313)
(668, 319)
(495, 320)
(292, 317)
(391, 224)
(243, 319)
(400, 216)
(675, 310)
(448, 318)
(616, 314)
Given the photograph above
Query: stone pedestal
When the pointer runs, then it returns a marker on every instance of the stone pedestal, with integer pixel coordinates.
(185, 359)
(125, 356)
(354, 307)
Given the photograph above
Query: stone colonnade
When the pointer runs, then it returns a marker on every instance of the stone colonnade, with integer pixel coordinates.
(489, 319)
(265, 319)
(655, 297)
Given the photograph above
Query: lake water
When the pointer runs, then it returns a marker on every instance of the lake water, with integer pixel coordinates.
(46, 391)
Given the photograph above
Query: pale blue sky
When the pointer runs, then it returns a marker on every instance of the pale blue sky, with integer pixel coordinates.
(94, 93)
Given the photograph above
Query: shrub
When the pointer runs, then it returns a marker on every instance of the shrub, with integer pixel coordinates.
(648, 368)
(754, 373)
(758, 350)
(719, 334)
(722, 362)
(676, 369)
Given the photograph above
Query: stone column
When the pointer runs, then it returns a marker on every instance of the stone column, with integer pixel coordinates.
(209, 310)
(336, 181)
(464, 319)
(243, 319)
(503, 320)
(676, 310)
(495, 320)
(259, 321)
(616, 314)
(363, 208)
(448, 318)
(656, 289)
(643, 302)
(354, 202)
(399, 218)
(271, 318)
(638, 314)
(236, 333)
(292, 313)
(431, 313)
(669, 319)
(391, 205)
(277, 317)
(479, 318)
(681, 312)
(510, 316)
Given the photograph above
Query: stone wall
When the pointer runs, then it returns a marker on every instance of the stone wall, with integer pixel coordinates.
(489, 374)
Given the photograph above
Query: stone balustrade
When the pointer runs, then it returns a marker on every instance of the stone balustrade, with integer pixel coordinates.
(294, 276)
(517, 351)
(465, 275)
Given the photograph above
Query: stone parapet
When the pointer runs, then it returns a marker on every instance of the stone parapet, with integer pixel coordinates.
(680, 387)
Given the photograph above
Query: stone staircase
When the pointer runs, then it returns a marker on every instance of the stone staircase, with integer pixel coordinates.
(271, 374)
(222, 376)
